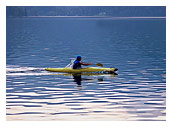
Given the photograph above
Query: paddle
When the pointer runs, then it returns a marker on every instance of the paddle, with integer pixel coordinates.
(99, 64)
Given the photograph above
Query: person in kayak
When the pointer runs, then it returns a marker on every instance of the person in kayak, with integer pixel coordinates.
(77, 63)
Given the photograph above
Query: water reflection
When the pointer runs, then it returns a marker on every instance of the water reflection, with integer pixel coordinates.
(78, 78)
(104, 97)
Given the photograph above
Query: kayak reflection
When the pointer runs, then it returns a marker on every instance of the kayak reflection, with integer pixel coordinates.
(78, 78)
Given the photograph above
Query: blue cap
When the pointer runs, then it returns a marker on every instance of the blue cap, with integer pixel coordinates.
(78, 57)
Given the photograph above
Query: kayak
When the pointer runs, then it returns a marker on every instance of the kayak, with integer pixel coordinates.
(88, 69)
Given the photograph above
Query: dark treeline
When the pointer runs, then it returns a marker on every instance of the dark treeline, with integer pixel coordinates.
(118, 11)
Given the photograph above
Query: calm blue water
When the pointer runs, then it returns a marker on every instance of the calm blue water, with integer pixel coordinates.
(137, 47)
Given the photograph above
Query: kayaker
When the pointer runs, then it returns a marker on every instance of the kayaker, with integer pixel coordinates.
(77, 63)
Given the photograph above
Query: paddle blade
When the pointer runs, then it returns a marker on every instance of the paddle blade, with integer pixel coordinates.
(99, 64)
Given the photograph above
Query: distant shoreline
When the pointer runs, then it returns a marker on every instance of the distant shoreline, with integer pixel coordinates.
(140, 17)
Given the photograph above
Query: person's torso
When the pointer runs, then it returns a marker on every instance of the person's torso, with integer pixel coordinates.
(77, 64)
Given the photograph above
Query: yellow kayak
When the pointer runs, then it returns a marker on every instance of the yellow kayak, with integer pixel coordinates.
(88, 69)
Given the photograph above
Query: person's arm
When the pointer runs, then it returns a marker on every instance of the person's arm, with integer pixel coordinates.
(86, 64)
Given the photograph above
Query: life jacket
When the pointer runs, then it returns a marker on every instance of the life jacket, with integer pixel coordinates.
(76, 64)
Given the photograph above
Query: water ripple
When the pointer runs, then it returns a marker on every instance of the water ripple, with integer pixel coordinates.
(135, 47)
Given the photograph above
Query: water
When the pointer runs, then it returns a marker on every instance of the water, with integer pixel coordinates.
(137, 47)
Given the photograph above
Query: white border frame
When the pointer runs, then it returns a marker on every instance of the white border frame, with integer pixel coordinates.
(4, 3)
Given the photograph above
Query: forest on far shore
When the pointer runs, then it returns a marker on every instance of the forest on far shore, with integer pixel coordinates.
(116, 11)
